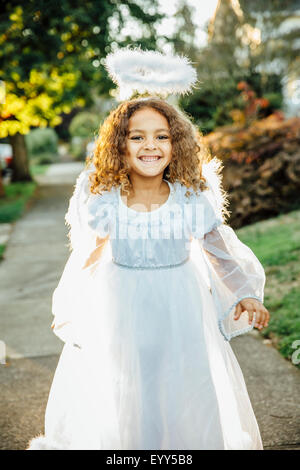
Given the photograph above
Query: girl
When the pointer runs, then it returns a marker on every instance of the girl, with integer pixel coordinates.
(155, 287)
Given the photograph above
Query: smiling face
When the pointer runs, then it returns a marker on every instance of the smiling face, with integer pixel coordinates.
(149, 148)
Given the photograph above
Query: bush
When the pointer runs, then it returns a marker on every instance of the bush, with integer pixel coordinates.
(211, 104)
(84, 125)
(261, 167)
(42, 146)
(41, 141)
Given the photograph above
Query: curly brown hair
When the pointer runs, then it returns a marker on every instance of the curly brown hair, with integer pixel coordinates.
(188, 150)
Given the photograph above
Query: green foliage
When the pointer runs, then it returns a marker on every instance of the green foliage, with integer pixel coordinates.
(2, 249)
(50, 58)
(40, 141)
(13, 204)
(84, 125)
(46, 158)
(42, 146)
(275, 100)
(211, 105)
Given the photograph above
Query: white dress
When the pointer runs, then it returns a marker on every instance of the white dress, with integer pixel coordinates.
(147, 362)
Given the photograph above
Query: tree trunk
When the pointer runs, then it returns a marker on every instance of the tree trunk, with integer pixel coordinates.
(20, 164)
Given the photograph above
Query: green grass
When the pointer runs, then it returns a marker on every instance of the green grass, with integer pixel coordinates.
(276, 243)
(38, 169)
(13, 204)
(2, 248)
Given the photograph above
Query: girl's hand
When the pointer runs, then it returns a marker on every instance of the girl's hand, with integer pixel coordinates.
(253, 305)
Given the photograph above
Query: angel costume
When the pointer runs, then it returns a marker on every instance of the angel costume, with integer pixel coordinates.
(147, 362)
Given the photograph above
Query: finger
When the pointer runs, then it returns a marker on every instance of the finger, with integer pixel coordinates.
(266, 317)
(258, 318)
(250, 314)
(263, 315)
(238, 312)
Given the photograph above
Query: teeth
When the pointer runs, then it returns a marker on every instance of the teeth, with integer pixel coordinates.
(149, 159)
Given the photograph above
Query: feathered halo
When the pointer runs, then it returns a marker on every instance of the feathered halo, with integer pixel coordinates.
(139, 72)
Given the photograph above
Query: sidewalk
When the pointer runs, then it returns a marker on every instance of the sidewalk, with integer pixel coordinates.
(35, 257)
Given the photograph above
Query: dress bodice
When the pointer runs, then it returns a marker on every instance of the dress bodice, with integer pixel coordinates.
(156, 239)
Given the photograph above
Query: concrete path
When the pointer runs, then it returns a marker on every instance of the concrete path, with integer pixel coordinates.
(34, 260)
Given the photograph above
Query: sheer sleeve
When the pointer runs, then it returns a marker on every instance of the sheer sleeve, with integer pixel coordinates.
(233, 270)
(88, 234)
(235, 273)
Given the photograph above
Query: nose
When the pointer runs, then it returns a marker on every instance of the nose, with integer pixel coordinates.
(150, 144)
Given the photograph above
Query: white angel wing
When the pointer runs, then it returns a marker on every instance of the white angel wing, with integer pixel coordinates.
(70, 299)
(212, 171)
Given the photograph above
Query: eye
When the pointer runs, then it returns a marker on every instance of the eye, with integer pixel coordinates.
(162, 137)
(136, 137)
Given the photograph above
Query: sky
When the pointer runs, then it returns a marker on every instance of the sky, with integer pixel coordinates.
(204, 11)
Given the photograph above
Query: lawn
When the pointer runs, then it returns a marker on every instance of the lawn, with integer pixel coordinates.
(16, 196)
(13, 204)
(276, 243)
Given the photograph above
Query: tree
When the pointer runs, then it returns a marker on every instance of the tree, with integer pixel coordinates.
(230, 56)
(46, 95)
(184, 37)
(50, 60)
(278, 25)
